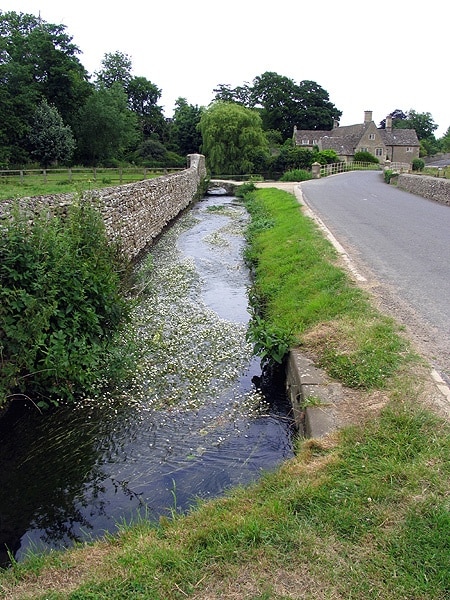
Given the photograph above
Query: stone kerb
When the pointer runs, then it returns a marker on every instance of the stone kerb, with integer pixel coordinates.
(313, 396)
(432, 188)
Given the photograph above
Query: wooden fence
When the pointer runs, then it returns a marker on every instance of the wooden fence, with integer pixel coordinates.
(106, 175)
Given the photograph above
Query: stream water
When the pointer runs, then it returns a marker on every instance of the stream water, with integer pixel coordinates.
(196, 418)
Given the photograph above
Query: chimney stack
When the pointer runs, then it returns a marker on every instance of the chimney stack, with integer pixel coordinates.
(367, 116)
(388, 125)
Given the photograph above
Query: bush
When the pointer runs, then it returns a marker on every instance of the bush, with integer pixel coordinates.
(366, 157)
(296, 175)
(60, 302)
(326, 157)
(418, 164)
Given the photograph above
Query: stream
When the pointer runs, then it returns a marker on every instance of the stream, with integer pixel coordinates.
(196, 417)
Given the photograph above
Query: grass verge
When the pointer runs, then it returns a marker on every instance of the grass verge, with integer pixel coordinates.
(364, 513)
(307, 299)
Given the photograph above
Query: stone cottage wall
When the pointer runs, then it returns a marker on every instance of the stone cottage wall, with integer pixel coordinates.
(432, 188)
(135, 213)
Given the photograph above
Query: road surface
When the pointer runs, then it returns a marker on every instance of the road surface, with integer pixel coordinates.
(398, 246)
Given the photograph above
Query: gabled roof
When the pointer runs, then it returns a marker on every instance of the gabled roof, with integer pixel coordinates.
(345, 139)
(399, 137)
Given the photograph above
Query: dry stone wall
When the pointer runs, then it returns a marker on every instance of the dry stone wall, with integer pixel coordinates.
(136, 213)
(433, 188)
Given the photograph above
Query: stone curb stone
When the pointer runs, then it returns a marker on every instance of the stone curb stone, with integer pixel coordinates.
(313, 396)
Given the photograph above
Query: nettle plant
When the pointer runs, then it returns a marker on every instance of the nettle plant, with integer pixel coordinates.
(60, 302)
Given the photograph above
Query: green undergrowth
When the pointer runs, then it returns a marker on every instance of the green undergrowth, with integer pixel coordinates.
(61, 300)
(301, 296)
(366, 516)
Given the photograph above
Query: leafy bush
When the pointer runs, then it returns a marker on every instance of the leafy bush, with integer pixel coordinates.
(292, 157)
(326, 157)
(388, 173)
(365, 157)
(60, 301)
(296, 175)
(418, 164)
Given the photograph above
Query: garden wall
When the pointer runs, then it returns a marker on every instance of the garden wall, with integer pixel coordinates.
(433, 188)
(135, 213)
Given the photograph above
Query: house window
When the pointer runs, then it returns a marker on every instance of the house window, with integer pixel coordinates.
(305, 142)
(371, 136)
(378, 151)
(409, 149)
(363, 150)
(315, 142)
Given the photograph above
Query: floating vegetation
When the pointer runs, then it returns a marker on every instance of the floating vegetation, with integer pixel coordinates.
(183, 354)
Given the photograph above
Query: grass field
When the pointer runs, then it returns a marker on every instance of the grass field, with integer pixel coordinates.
(37, 182)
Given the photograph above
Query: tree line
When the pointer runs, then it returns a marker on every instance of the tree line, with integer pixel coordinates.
(52, 111)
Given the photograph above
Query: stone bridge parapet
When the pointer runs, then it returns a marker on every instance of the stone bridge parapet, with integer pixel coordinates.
(432, 188)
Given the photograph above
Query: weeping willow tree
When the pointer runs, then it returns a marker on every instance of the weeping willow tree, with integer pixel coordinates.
(232, 136)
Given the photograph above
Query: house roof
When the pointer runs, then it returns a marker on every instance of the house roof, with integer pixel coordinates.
(345, 139)
(399, 137)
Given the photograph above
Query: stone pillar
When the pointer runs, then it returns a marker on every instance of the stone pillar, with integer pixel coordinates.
(315, 169)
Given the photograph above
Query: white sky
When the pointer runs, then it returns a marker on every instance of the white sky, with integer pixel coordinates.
(376, 56)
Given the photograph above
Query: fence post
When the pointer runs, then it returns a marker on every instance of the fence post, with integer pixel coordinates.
(21, 176)
(44, 173)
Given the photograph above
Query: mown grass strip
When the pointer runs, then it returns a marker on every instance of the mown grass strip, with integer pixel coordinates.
(301, 293)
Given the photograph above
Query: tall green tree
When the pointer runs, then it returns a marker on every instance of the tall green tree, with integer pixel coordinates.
(37, 61)
(283, 103)
(106, 128)
(143, 95)
(116, 68)
(445, 141)
(185, 136)
(143, 98)
(232, 135)
(51, 140)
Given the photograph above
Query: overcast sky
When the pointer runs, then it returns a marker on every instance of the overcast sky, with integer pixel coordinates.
(376, 56)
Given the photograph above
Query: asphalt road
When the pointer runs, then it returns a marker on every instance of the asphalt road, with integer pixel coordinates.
(399, 245)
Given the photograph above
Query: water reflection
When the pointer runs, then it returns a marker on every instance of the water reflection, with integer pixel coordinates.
(190, 424)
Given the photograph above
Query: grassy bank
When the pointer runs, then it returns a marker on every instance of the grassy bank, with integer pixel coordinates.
(362, 514)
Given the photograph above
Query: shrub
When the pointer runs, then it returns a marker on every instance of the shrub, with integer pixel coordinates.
(418, 164)
(296, 175)
(326, 157)
(60, 301)
(365, 157)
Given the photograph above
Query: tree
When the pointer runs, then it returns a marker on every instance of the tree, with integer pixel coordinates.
(422, 123)
(445, 141)
(37, 61)
(50, 139)
(282, 103)
(184, 133)
(116, 68)
(240, 94)
(106, 128)
(396, 115)
(276, 97)
(143, 96)
(231, 135)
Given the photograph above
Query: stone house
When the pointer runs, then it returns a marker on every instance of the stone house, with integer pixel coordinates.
(395, 145)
